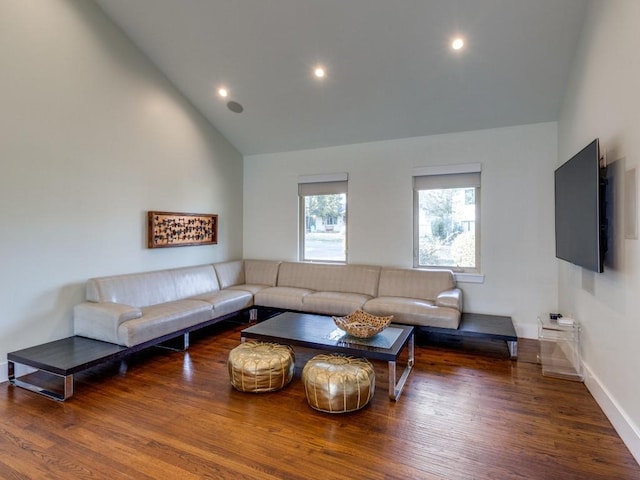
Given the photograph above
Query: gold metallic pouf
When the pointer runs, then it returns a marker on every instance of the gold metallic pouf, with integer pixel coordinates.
(260, 367)
(337, 383)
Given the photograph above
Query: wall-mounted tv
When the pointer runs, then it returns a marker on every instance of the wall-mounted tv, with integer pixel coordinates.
(581, 227)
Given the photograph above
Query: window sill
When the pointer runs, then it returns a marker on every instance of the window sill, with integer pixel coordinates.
(461, 277)
(469, 277)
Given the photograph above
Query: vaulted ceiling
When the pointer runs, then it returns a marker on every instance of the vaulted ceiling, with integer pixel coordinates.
(390, 70)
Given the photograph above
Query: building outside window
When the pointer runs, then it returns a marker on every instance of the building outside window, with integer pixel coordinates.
(447, 217)
(323, 218)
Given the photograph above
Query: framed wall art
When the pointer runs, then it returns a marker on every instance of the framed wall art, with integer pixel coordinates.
(172, 229)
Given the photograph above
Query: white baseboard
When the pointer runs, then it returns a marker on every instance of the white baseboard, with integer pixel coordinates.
(628, 431)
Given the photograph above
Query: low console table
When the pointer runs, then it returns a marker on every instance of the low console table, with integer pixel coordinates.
(67, 356)
(488, 327)
(62, 358)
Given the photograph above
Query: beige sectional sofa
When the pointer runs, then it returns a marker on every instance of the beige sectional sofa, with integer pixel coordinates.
(139, 308)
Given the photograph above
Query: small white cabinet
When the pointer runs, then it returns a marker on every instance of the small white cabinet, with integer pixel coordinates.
(560, 349)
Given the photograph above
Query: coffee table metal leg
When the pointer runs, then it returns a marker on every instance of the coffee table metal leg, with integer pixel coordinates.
(11, 371)
(67, 391)
(395, 388)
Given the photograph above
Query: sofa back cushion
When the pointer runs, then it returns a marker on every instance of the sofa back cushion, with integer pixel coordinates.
(152, 288)
(422, 284)
(330, 278)
(230, 273)
(261, 272)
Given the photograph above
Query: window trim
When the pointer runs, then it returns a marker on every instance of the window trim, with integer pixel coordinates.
(469, 174)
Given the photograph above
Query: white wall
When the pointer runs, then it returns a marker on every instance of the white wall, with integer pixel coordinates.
(91, 137)
(603, 101)
(517, 209)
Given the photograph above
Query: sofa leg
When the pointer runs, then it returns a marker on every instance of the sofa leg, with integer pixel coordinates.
(124, 366)
(170, 344)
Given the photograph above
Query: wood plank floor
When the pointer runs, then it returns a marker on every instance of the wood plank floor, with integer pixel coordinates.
(467, 412)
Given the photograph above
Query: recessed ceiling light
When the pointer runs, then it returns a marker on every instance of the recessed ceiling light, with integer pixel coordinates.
(457, 43)
(223, 92)
(319, 72)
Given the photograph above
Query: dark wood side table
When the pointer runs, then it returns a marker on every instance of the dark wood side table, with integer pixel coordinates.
(63, 358)
(489, 327)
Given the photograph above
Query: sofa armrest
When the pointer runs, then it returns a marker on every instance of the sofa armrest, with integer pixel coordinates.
(101, 320)
(450, 298)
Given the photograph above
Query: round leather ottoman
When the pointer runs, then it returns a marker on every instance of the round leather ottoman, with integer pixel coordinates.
(260, 367)
(337, 383)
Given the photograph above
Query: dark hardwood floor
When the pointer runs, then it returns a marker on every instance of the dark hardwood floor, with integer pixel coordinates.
(467, 412)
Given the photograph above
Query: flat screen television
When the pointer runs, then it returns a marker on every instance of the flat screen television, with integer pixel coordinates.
(581, 228)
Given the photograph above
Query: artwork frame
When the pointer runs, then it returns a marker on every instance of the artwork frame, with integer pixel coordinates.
(178, 229)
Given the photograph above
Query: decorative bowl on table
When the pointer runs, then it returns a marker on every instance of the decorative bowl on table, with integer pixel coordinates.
(362, 324)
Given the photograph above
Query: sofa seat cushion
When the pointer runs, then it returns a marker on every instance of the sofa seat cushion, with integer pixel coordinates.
(414, 311)
(289, 298)
(227, 301)
(163, 319)
(248, 287)
(334, 303)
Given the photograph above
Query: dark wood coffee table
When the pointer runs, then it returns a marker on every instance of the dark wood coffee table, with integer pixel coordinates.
(320, 332)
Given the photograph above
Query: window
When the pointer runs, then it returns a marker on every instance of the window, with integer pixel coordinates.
(323, 218)
(446, 216)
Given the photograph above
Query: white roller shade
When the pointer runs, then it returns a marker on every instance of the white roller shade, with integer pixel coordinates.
(322, 184)
(447, 176)
(455, 180)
